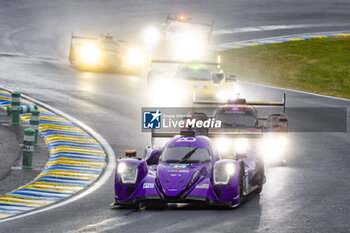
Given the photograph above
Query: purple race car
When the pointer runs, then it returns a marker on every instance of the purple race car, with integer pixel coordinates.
(188, 169)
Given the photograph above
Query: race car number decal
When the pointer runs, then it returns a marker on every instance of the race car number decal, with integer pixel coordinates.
(189, 139)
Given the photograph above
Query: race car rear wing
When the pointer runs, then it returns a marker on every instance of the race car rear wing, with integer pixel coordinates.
(244, 102)
(185, 62)
(193, 133)
(73, 37)
(76, 41)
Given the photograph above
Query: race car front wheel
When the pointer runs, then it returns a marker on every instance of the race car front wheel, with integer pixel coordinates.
(261, 181)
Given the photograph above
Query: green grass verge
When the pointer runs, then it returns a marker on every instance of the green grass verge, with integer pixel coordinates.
(317, 65)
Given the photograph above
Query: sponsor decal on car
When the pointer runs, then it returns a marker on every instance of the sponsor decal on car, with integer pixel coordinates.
(148, 185)
(179, 165)
(186, 139)
(202, 186)
(179, 170)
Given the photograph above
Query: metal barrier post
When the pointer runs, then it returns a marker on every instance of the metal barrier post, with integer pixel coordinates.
(28, 148)
(15, 103)
(34, 124)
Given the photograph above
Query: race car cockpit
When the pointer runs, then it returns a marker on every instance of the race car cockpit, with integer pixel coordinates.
(107, 43)
(237, 117)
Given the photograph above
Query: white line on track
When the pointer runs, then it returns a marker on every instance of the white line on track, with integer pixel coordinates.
(102, 179)
(302, 92)
(275, 38)
(273, 27)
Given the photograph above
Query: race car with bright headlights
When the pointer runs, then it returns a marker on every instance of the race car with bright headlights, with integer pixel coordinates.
(188, 169)
(194, 80)
(241, 117)
(106, 54)
(180, 37)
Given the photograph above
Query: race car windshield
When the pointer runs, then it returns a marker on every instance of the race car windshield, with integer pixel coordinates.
(109, 45)
(194, 73)
(185, 154)
(176, 28)
(237, 119)
(179, 27)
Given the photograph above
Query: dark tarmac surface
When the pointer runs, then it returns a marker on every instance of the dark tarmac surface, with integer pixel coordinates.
(311, 194)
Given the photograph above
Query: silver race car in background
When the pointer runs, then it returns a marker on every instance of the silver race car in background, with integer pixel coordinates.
(181, 38)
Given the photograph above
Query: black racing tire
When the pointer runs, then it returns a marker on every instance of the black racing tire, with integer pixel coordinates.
(261, 180)
(241, 177)
(241, 196)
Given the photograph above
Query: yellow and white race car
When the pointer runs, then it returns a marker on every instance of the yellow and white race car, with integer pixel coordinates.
(106, 54)
(192, 81)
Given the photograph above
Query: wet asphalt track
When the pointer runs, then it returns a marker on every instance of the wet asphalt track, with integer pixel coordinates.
(311, 194)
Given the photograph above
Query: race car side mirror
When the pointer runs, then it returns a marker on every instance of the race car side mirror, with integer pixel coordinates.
(231, 78)
(130, 153)
(152, 156)
(283, 119)
(241, 155)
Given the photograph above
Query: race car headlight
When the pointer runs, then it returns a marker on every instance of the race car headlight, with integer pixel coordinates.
(222, 95)
(274, 147)
(241, 145)
(223, 173)
(151, 36)
(127, 173)
(135, 57)
(222, 145)
(90, 53)
(189, 45)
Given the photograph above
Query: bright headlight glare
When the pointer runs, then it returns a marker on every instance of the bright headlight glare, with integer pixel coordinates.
(241, 145)
(151, 36)
(223, 173)
(90, 53)
(127, 173)
(165, 92)
(135, 57)
(189, 46)
(230, 169)
(235, 90)
(222, 95)
(228, 94)
(222, 145)
(274, 147)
